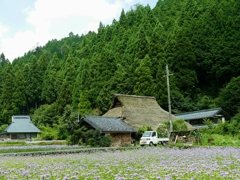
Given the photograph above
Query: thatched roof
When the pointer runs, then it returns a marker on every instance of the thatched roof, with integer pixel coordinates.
(139, 111)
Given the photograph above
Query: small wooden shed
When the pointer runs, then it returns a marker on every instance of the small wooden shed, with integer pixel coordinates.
(120, 132)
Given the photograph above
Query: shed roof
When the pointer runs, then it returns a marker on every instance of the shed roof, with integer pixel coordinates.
(139, 111)
(108, 124)
(206, 113)
(21, 124)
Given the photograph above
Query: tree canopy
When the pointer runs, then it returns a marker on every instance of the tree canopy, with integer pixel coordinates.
(198, 39)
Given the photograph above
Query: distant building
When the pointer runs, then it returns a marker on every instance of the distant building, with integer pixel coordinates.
(21, 128)
(116, 128)
(196, 118)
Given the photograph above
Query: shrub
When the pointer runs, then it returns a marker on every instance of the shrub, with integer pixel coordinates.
(208, 122)
(178, 125)
(48, 133)
(89, 137)
(141, 131)
(219, 140)
(162, 131)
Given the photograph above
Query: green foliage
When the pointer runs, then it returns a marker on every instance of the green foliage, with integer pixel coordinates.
(48, 133)
(229, 98)
(68, 122)
(205, 102)
(141, 130)
(227, 128)
(3, 127)
(12, 143)
(162, 131)
(219, 140)
(89, 137)
(84, 105)
(144, 85)
(129, 57)
(178, 125)
(45, 115)
(208, 122)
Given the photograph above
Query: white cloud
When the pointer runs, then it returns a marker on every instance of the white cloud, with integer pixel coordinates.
(55, 19)
(19, 44)
(60, 15)
(3, 30)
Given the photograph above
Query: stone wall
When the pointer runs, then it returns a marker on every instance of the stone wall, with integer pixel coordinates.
(121, 139)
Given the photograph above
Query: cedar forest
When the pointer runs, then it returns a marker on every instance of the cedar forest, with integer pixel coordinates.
(199, 40)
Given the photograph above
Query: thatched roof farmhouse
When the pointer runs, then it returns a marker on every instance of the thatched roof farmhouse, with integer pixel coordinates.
(139, 111)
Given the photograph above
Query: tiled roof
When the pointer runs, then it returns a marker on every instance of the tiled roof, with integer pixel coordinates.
(207, 113)
(108, 124)
(22, 124)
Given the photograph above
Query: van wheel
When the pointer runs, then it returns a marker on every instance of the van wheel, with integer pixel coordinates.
(151, 144)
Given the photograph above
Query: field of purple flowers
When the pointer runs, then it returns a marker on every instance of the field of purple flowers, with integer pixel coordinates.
(144, 163)
(15, 149)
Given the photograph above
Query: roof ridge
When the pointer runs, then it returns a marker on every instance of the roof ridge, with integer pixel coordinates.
(203, 110)
(135, 96)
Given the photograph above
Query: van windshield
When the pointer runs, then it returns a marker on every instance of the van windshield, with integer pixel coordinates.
(147, 134)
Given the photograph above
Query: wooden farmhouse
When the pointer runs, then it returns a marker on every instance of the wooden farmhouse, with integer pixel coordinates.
(196, 118)
(120, 132)
(139, 111)
(21, 128)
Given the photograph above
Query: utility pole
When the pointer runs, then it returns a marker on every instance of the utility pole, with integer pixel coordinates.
(169, 100)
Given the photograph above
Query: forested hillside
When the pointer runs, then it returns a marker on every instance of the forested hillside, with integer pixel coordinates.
(198, 39)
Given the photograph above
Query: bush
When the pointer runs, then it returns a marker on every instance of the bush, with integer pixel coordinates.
(141, 131)
(3, 127)
(48, 133)
(89, 137)
(209, 123)
(178, 125)
(162, 131)
(227, 128)
(219, 140)
(105, 141)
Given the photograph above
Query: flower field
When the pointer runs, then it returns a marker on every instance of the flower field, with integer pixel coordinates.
(143, 163)
(14, 149)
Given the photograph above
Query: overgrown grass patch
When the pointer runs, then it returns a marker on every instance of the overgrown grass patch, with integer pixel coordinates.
(12, 143)
(220, 140)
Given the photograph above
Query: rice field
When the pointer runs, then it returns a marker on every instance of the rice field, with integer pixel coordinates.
(144, 163)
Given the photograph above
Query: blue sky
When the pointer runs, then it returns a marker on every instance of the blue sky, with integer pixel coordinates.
(24, 24)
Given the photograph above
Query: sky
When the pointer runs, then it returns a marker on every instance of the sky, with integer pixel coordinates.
(25, 24)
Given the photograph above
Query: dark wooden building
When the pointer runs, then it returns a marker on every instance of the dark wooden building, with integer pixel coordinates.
(120, 132)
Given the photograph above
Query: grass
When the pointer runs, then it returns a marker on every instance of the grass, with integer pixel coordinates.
(12, 143)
